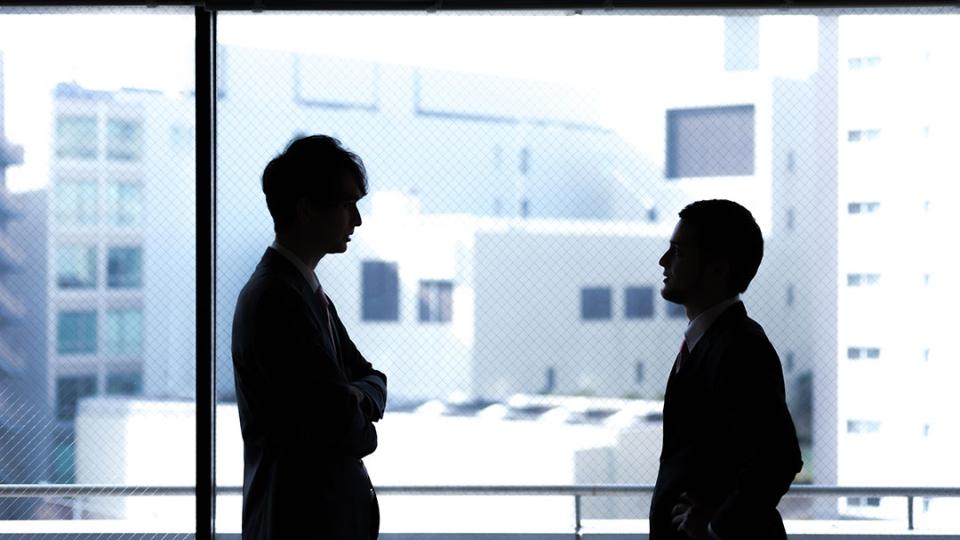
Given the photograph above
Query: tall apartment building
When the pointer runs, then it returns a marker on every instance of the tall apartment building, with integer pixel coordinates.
(898, 362)
(23, 410)
(96, 235)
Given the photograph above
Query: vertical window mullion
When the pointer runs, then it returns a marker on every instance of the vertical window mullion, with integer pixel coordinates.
(205, 65)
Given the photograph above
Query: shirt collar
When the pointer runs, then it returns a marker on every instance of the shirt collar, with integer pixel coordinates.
(699, 326)
(303, 268)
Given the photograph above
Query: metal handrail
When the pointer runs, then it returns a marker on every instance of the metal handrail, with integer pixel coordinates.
(577, 491)
(114, 490)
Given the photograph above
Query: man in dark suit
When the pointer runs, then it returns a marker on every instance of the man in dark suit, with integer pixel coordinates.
(730, 448)
(307, 398)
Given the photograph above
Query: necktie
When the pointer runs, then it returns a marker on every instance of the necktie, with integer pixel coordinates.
(681, 356)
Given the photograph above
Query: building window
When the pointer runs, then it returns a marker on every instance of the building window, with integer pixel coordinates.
(124, 332)
(70, 390)
(638, 373)
(77, 332)
(862, 280)
(76, 202)
(64, 456)
(595, 303)
(863, 207)
(76, 267)
(125, 267)
(638, 303)
(863, 62)
(790, 295)
(76, 137)
(860, 353)
(863, 135)
(381, 291)
(791, 161)
(791, 219)
(124, 139)
(124, 384)
(435, 301)
(675, 311)
(125, 204)
(863, 426)
(710, 141)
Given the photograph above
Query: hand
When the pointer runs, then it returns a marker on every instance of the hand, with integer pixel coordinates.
(692, 518)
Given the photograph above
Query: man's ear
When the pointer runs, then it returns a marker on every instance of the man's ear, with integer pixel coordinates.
(719, 270)
(304, 210)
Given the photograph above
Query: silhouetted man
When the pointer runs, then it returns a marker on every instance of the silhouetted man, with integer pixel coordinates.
(307, 397)
(730, 449)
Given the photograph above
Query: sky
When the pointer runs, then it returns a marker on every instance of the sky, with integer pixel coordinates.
(621, 57)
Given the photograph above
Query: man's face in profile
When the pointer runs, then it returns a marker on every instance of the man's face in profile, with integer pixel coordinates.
(682, 267)
(332, 224)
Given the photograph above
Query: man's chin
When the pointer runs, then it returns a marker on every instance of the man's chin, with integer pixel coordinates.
(671, 296)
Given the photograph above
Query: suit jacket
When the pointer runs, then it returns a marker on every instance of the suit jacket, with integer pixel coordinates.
(728, 438)
(304, 432)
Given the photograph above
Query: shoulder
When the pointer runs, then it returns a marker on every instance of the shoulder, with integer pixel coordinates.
(265, 290)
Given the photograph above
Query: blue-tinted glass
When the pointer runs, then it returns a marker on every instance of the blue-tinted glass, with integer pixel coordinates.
(125, 384)
(381, 291)
(124, 267)
(124, 332)
(77, 332)
(76, 137)
(639, 303)
(76, 267)
(595, 303)
(710, 141)
(124, 139)
(435, 301)
(70, 390)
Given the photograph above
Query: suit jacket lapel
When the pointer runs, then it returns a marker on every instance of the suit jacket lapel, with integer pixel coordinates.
(275, 262)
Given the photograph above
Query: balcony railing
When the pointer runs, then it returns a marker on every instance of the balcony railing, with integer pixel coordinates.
(577, 492)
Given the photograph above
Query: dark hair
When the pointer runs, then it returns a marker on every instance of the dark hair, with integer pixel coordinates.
(311, 167)
(726, 230)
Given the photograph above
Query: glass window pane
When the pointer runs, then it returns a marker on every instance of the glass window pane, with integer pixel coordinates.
(124, 267)
(97, 295)
(595, 303)
(70, 390)
(124, 384)
(76, 137)
(124, 139)
(125, 204)
(76, 267)
(381, 291)
(125, 331)
(544, 186)
(639, 302)
(76, 202)
(77, 332)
